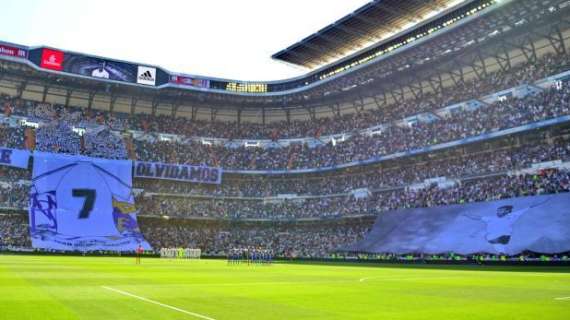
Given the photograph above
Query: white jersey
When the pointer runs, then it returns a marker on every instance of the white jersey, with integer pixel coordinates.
(84, 193)
(100, 73)
(501, 226)
(77, 200)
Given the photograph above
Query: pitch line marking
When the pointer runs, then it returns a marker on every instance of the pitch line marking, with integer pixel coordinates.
(562, 298)
(384, 277)
(197, 315)
(400, 278)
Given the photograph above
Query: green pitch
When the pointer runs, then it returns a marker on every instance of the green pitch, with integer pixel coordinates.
(39, 287)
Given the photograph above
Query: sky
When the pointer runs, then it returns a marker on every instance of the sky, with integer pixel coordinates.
(215, 38)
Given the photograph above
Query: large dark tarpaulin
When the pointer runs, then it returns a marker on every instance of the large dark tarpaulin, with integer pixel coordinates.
(538, 224)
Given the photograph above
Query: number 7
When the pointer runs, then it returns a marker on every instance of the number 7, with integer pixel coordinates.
(90, 195)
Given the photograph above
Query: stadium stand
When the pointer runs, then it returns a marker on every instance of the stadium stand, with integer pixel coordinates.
(501, 115)
(311, 184)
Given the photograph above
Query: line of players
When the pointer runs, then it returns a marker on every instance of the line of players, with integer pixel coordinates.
(250, 256)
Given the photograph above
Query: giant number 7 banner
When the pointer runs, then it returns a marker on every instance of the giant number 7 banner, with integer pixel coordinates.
(83, 204)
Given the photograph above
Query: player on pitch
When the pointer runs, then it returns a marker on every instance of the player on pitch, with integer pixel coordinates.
(139, 252)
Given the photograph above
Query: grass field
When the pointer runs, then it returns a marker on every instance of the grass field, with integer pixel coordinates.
(40, 287)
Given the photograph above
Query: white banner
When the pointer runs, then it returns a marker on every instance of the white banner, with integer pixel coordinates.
(178, 172)
(83, 204)
(146, 75)
(14, 157)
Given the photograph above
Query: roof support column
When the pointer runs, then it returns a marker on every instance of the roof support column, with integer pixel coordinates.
(479, 67)
(556, 40)
(417, 90)
(358, 105)
(114, 98)
(174, 110)
(312, 113)
(457, 75)
(44, 94)
(68, 97)
(263, 117)
(528, 49)
(134, 101)
(380, 103)
(176, 104)
(335, 108)
(503, 59)
(398, 94)
(239, 118)
(90, 100)
(21, 88)
(155, 103)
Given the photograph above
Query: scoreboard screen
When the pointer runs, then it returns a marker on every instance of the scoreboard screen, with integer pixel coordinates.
(96, 67)
(247, 87)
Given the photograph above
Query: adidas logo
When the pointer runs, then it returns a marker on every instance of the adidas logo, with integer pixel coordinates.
(146, 76)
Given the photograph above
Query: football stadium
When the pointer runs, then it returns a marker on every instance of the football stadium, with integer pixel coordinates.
(418, 167)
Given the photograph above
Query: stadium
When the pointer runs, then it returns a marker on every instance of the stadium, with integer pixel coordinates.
(419, 168)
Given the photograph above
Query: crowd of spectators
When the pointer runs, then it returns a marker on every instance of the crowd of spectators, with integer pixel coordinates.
(14, 231)
(104, 143)
(71, 116)
(14, 187)
(470, 190)
(55, 133)
(495, 187)
(522, 16)
(495, 81)
(501, 115)
(431, 51)
(312, 240)
(57, 137)
(11, 137)
(11, 174)
(330, 196)
(14, 195)
(215, 239)
(378, 177)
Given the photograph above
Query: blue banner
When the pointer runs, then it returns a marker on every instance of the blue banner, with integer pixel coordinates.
(539, 224)
(14, 157)
(83, 204)
(178, 172)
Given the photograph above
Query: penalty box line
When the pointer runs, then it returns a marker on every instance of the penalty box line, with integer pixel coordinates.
(562, 298)
(128, 294)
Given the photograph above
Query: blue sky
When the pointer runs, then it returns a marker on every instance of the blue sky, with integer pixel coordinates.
(219, 38)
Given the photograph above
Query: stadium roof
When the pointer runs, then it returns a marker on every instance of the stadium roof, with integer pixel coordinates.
(370, 24)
